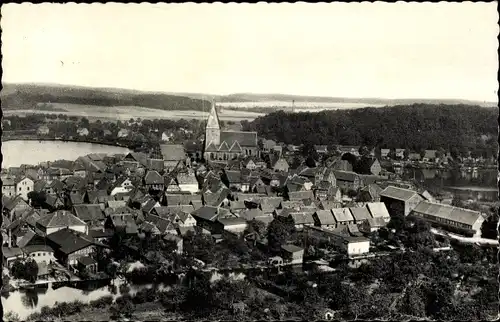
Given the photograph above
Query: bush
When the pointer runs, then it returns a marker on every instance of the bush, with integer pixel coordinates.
(102, 302)
(145, 296)
(123, 307)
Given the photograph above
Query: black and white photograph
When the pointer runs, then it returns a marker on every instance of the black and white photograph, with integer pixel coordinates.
(250, 162)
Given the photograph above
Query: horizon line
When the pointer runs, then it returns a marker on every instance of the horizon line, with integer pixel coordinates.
(245, 93)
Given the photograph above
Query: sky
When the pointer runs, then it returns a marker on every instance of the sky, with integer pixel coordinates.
(397, 50)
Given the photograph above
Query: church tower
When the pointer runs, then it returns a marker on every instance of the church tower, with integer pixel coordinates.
(212, 131)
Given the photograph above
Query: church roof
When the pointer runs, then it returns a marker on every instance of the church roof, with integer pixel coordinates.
(243, 138)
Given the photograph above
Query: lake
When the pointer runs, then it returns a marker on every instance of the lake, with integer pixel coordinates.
(17, 152)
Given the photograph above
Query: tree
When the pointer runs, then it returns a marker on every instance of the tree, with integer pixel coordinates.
(279, 231)
(364, 151)
(37, 199)
(257, 227)
(489, 229)
(351, 158)
(406, 153)
(392, 154)
(17, 269)
(31, 270)
(308, 151)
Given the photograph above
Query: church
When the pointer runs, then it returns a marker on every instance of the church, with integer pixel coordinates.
(227, 145)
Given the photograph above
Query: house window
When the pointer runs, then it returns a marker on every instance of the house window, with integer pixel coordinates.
(28, 189)
(19, 188)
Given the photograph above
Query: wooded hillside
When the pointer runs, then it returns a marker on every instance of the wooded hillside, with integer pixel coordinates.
(417, 126)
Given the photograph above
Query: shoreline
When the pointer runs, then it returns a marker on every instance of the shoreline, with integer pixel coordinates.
(40, 139)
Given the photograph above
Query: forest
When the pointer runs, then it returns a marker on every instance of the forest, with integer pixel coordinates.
(416, 127)
(27, 99)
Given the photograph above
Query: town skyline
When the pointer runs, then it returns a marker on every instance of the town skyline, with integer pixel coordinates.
(374, 59)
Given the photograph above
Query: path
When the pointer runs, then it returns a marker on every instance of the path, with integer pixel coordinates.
(478, 240)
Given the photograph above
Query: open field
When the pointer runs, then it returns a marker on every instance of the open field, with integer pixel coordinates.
(125, 113)
(302, 106)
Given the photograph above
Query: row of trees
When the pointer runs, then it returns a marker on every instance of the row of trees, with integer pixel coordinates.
(417, 127)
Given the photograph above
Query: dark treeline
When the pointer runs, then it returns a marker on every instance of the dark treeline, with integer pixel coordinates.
(417, 127)
(28, 100)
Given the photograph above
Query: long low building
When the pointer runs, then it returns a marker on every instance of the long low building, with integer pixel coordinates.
(463, 221)
(351, 245)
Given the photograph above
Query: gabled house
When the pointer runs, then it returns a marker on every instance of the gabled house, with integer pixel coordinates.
(24, 185)
(300, 195)
(97, 197)
(268, 204)
(342, 216)
(324, 190)
(8, 187)
(372, 224)
(235, 181)
(400, 201)
(347, 180)
(173, 154)
(360, 214)
(370, 193)
(75, 198)
(164, 225)
(135, 160)
(217, 198)
(186, 220)
(121, 185)
(154, 181)
(187, 181)
(302, 219)
(278, 163)
(368, 165)
(123, 223)
(324, 218)
(54, 202)
(249, 163)
(171, 184)
(70, 245)
(61, 219)
(379, 210)
(91, 214)
(12, 207)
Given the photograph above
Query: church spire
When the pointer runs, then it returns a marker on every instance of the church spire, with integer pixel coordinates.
(213, 118)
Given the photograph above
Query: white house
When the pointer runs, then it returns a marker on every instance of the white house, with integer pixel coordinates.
(165, 137)
(122, 185)
(24, 186)
(186, 220)
(356, 245)
(39, 253)
(123, 133)
(82, 131)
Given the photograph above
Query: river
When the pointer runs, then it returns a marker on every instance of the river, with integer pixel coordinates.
(18, 152)
(27, 302)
